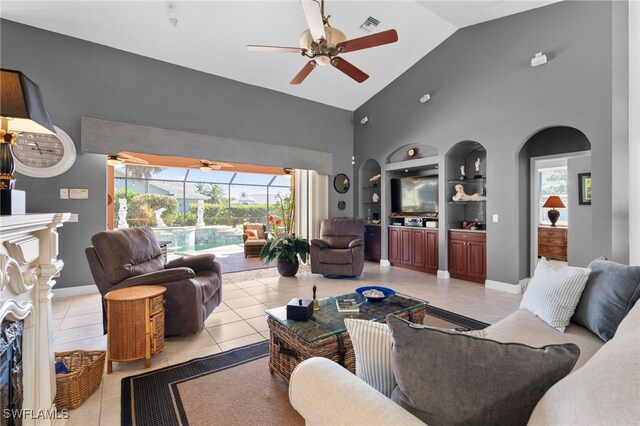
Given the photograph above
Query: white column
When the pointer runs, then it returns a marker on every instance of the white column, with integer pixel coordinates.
(634, 131)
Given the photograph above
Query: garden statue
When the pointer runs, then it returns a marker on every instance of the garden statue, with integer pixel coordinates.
(375, 197)
(122, 214)
(460, 195)
(160, 222)
(200, 222)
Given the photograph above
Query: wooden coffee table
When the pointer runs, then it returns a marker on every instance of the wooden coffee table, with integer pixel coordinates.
(325, 335)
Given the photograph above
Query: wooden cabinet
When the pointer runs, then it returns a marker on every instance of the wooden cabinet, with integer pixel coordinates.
(414, 248)
(372, 244)
(552, 242)
(135, 324)
(418, 252)
(394, 246)
(468, 256)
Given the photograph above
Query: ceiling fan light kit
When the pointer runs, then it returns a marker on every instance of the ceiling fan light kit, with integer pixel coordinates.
(124, 158)
(323, 44)
(207, 166)
(113, 160)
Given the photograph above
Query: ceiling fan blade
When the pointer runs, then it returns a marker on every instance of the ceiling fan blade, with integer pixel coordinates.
(313, 12)
(355, 73)
(216, 165)
(304, 72)
(125, 157)
(373, 40)
(133, 160)
(220, 164)
(259, 48)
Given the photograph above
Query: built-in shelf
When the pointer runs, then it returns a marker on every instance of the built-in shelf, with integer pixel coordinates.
(370, 187)
(372, 203)
(470, 180)
(466, 202)
(467, 230)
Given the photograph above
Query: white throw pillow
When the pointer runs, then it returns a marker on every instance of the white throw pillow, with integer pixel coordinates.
(554, 292)
(372, 344)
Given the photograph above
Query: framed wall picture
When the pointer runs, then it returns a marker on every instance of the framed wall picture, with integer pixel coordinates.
(584, 188)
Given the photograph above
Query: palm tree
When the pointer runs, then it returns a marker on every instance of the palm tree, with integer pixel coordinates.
(244, 194)
(143, 172)
(215, 193)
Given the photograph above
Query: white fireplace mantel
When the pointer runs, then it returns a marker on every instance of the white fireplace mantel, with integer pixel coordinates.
(28, 264)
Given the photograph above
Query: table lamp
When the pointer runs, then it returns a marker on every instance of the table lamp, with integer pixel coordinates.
(554, 202)
(21, 110)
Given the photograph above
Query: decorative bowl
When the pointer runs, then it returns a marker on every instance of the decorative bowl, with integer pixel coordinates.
(387, 292)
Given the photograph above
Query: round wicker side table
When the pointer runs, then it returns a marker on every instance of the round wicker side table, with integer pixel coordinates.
(135, 324)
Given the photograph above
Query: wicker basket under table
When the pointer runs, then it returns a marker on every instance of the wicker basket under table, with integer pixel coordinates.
(83, 379)
(287, 350)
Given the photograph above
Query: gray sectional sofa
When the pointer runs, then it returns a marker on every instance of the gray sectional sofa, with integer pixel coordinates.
(603, 388)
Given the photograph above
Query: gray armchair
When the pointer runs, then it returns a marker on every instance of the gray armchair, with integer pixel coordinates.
(130, 257)
(340, 249)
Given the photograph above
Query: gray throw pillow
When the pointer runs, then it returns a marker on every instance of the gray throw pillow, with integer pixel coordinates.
(447, 378)
(610, 293)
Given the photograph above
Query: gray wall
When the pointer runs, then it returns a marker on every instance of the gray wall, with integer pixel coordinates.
(81, 78)
(483, 89)
(579, 244)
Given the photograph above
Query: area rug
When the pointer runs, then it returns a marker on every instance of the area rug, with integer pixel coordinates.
(233, 387)
(255, 274)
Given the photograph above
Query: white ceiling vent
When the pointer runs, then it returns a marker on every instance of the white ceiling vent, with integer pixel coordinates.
(369, 24)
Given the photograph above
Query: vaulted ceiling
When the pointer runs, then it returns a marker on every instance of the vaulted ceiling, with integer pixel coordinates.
(212, 36)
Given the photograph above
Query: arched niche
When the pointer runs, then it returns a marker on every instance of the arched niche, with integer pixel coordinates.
(368, 187)
(553, 146)
(465, 154)
(400, 154)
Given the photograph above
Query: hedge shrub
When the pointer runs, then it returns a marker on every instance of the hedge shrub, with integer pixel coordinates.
(142, 208)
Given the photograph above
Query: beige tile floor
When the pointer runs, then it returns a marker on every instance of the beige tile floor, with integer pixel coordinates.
(240, 320)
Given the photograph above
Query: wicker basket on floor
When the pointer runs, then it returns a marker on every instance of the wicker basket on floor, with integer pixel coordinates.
(84, 377)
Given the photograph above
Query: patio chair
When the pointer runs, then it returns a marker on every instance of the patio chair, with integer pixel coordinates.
(255, 237)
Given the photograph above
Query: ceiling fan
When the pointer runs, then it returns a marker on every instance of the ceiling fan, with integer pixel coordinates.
(123, 157)
(207, 165)
(324, 44)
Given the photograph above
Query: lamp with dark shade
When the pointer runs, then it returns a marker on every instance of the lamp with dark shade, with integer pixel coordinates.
(22, 110)
(554, 202)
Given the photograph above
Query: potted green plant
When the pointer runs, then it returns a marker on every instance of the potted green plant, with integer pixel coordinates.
(282, 244)
(286, 249)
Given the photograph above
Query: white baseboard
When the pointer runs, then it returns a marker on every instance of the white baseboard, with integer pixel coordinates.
(444, 274)
(75, 291)
(385, 262)
(506, 287)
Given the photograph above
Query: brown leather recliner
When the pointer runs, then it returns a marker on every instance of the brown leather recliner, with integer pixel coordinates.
(340, 249)
(130, 257)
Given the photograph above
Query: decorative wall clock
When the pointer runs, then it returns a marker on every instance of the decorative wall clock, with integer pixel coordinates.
(411, 154)
(40, 155)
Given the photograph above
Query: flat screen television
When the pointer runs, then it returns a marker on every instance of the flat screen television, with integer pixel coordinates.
(414, 194)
